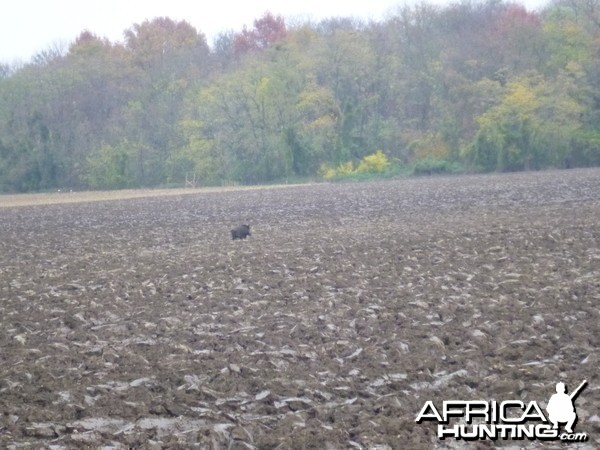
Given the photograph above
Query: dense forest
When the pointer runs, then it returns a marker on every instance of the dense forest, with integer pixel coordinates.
(481, 85)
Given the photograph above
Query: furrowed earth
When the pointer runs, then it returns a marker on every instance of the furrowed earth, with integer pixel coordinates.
(140, 323)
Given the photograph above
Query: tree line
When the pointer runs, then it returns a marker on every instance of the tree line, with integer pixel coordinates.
(481, 85)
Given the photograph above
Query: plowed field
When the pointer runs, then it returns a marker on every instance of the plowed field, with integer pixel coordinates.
(140, 323)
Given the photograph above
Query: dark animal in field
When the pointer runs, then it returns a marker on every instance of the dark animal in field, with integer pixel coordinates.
(240, 232)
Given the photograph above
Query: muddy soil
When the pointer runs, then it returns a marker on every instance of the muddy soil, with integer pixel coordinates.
(140, 324)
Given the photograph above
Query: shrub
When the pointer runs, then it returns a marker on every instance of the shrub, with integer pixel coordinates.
(327, 172)
(346, 168)
(431, 166)
(374, 163)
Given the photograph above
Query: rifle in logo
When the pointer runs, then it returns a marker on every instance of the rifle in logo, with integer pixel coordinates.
(575, 393)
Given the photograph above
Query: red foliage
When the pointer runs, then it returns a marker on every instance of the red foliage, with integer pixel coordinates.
(267, 30)
(516, 17)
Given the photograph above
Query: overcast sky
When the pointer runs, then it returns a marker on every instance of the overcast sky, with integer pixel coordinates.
(29, 26)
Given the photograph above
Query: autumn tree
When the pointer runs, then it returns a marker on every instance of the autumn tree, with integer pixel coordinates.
(172, 58)
(267, 30)
(488, 84)
(164, 43)
(518, 39)
(533, 127)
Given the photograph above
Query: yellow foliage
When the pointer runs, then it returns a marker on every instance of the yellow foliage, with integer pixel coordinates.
(376, 162)
(327, 172)
(346, 168)
(520, 102)
(521, 97)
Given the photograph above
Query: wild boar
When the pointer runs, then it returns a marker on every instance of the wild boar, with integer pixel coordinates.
(240, 232)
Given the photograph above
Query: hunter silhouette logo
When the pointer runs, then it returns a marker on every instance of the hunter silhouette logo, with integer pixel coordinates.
(560, 407)
(509, 419)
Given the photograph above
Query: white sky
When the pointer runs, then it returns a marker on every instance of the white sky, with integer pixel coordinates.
(30, 26)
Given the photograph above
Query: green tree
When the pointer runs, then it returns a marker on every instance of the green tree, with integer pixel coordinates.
(108, 167)
(567, 39)
(533, 127)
